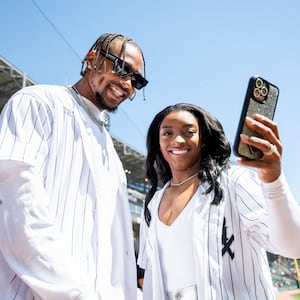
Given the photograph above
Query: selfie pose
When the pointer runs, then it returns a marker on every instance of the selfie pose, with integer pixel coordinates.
(207, 223)
(65, 223)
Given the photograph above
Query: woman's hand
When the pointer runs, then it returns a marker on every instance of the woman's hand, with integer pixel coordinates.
(269, 166)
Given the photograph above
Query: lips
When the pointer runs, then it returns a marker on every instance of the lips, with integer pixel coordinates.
(178, 152)
(118, 91)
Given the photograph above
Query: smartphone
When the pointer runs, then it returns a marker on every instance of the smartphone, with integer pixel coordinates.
(261, 97)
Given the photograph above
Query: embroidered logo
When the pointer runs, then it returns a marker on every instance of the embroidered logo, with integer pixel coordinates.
(226, 242)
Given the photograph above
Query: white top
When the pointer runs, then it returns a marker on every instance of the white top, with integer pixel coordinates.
(174, 242)
(65, 222)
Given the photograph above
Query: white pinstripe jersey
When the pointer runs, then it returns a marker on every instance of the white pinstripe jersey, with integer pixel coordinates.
(65, 223)
(230, 240)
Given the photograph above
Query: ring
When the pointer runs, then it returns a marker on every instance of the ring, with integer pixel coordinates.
(270, 152)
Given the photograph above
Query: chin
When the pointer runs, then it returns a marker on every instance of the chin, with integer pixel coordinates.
(102, 104)
(112, 109)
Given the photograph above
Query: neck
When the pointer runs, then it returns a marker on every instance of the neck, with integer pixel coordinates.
(77, 87)
(82, 88)
(95, 116)
(183, 181)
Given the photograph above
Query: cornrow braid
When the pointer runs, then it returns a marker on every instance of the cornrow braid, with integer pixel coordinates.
(104, 40)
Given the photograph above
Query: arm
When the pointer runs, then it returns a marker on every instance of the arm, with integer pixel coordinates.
(284, 214)
(30, 240)
(282, 207)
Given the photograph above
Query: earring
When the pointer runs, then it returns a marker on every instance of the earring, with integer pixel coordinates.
(132, 96)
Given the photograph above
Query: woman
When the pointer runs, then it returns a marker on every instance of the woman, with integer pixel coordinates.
(205, 233)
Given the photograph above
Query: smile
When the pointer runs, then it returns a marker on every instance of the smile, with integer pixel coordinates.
(178, 152)
(117, 91)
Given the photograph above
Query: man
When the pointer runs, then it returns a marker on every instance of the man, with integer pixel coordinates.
(65, 224)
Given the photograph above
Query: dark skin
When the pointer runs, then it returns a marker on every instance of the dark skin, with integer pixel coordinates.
(104, 83)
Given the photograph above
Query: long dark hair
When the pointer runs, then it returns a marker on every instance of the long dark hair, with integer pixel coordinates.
(215, 153)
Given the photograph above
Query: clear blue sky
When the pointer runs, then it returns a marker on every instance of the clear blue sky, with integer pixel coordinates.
(196, 51)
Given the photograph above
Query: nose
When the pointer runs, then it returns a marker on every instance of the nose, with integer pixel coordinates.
(178, 139)
(128, 83)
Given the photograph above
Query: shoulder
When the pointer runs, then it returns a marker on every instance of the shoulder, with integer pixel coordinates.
(153, 204)
(237, 172)
(51, 95)
(239, 176)
(41, 90)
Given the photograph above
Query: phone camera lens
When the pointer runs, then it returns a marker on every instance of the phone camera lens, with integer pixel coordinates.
(264, 91)
(259, 83)
(256, 92)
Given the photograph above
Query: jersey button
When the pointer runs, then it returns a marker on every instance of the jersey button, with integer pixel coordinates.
(178, 296)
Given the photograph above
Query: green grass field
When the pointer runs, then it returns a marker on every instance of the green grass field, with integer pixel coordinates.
(296, 296)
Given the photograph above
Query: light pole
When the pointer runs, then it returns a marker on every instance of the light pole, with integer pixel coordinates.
(297, 271)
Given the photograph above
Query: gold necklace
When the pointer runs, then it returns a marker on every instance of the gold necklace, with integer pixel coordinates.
(82, 103)
(184, 181)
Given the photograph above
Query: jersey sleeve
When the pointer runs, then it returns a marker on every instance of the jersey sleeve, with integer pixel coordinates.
(25, 129)
(269, 213)
(284, 212)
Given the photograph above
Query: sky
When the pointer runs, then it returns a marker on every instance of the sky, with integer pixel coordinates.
(202, 52)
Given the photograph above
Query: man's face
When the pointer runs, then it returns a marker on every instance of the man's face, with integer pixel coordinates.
(106, 88)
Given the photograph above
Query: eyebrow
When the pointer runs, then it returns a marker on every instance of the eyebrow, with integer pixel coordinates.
(186, 125)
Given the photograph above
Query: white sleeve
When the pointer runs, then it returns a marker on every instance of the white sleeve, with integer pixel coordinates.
(284, 213)
(30, 242)
(142, 256)
(143, 261)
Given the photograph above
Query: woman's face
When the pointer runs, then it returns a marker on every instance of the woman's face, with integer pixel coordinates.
(180, 141)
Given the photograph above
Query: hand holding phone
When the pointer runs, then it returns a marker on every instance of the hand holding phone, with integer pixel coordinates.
(261, 97)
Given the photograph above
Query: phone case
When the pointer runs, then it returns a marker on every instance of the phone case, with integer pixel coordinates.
(261, 97)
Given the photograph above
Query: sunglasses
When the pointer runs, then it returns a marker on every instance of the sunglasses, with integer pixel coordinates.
(123, 70)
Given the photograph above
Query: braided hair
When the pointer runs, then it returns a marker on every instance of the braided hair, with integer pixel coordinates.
(103, 43)
(215, 153)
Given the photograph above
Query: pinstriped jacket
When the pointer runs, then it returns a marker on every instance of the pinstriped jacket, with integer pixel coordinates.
(65, 223)
(230, 240)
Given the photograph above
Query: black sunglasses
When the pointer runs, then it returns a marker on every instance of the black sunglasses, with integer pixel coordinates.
(123, 70)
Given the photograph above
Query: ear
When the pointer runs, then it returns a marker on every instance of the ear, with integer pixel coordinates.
(90, 59)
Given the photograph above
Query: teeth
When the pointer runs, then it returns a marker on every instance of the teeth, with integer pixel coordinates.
(179, 151)
(116, 91)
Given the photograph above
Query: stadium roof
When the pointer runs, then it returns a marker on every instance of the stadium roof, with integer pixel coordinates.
(12, 79)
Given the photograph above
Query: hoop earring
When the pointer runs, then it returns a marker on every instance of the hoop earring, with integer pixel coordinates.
(132, 96)
(83, 67)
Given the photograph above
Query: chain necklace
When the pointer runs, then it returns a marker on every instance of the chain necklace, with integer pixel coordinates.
(82, 103)
(184, 181)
